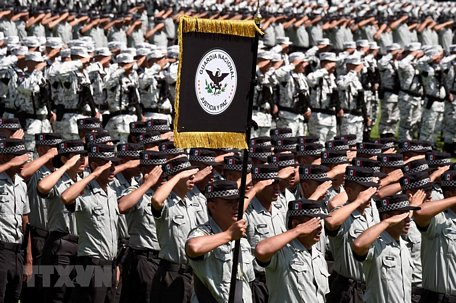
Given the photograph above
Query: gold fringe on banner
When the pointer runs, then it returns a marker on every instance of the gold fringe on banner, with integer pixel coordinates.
(230, 27)
(209, 139)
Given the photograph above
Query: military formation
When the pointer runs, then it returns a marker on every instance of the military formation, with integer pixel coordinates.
(90, 177)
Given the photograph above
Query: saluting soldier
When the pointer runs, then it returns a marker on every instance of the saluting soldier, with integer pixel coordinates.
(32, 173)
(94, 204)
(265, 217)
(142, 260)
(14, 207)
(344, 225)
(385, 256)
(390, 86)
(263, 102)
(32, 103)
(352, 100)
(294, 93)
(436, 221)
(435, 94)
(68, 163)
(410, 97)
(291, 258)
(324, 102)
(123, 98)
(175, 217)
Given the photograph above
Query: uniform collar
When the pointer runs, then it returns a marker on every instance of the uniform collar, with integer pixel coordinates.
(214, 226)
(388, 239)
(96, 189)
(256, 204)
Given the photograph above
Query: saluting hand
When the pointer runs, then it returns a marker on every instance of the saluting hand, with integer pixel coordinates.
(19, 134)
(201, 174)
(187, 173)
(19, 160)
(100, 169)
(397, 218)
(308, 227)
(52, 152)
(237, 229)
(321, 190)
(154, 175)
(365, 196)
(417, 198)
(72, 161)
(286, 172)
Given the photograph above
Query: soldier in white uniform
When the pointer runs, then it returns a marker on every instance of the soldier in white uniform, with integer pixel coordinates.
(410, 97)
(73, 99)
(324, 101)
(32, 101)
(435, 94)
(390, 85)
(123, 98)
(154, 89)
(294, 94)
(352, 100)
(263, 104)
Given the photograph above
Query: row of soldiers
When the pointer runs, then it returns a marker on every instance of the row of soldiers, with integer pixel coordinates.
(294, 88)
(51, 90)
(332, 94)
(339, 222)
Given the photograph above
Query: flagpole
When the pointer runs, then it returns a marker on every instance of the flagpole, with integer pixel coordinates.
(245, 159)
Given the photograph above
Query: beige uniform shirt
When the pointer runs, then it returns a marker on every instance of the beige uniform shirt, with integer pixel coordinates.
(344, 262)
(296, 274)
(438, 252)
(388, 271)
(214, 268)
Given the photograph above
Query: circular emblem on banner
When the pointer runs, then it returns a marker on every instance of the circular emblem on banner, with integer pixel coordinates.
(215, 81)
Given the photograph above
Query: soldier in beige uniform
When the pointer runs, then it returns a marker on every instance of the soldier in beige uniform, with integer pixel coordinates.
(386, 259)
(175, 216)
(291, 258)
(437, 223)
(344, 225)
(209, 248)
(94, 204)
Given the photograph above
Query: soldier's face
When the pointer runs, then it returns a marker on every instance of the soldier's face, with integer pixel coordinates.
(224, 210)
(311, 238)
(308, 187)
(272, 191)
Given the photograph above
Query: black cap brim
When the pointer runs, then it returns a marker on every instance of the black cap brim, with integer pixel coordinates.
(406, 208)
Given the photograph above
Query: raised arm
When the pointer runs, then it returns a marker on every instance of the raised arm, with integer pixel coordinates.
(130, 200)
(70, 194)
(365, 240)
(30, 168)
(162, 193)
(267, 248)
(54, 23)
(430, 209)
(340, 215)
(199, 246)
(47, 183)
